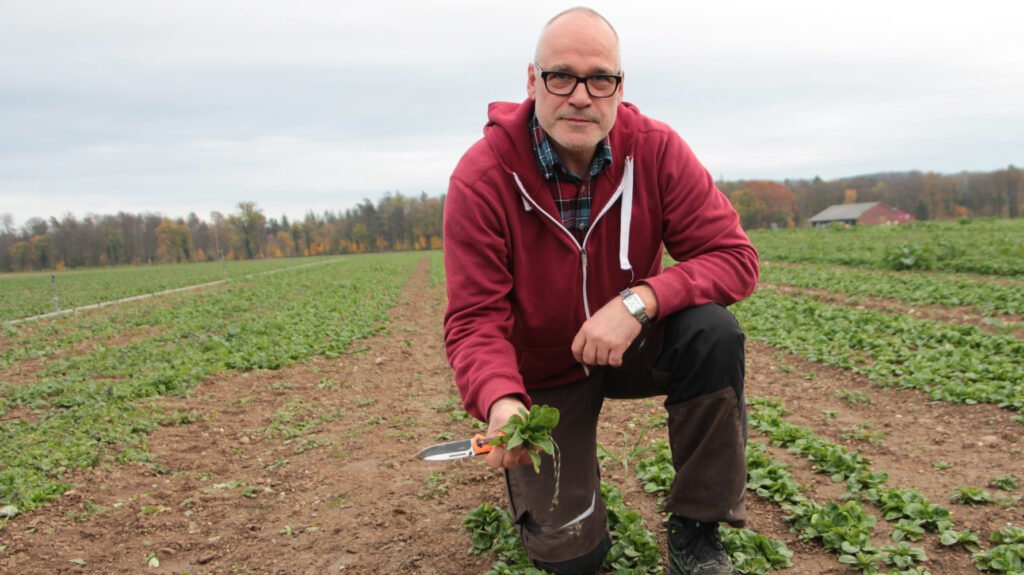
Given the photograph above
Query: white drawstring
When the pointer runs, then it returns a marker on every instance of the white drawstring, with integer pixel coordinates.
(626, 215)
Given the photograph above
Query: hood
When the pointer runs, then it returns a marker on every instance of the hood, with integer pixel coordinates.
(507, 134)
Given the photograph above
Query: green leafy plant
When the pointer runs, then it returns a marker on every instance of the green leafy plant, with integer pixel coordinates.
(852, 397)
(971, 496)
(634, 550)
(866, 561)
(907, 529)
(966, 539)
(530, 429)
(1004, 482)
(769, 478)
(903, 555)
(436, 486)
(1008, 554)
(753, 553)
(862, 432)
(907, 257)
(657, 471)
(844, 528)
(630, 450)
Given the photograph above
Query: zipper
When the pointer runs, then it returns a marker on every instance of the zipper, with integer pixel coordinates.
(583, 251)
(558, 223)
(586, 300)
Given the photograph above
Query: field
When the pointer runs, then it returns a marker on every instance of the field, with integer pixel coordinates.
(32, 294)
(268, 424)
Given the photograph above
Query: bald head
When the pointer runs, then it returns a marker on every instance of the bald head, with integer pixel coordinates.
(573, 23)
(578, 46)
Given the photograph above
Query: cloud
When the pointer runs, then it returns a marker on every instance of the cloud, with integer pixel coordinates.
(195, 106)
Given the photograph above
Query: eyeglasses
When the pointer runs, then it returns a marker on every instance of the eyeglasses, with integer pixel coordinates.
(564, 83)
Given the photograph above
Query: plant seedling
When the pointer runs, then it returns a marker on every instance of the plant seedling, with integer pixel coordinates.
(532, 430)
(971, 496)
(1004, 482)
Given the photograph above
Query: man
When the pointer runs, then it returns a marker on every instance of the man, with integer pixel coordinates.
(554, 226)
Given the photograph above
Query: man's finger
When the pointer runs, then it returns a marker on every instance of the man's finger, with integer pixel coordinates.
(495, 457)
(577, 347)
(615, 358)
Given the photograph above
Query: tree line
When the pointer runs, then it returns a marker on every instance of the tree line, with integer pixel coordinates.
(398, 223)
(926, 195)
(395, 222)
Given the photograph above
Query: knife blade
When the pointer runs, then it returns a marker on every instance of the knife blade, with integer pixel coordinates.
(456, 449)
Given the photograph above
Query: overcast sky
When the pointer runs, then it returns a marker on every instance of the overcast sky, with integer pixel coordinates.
(194, 106)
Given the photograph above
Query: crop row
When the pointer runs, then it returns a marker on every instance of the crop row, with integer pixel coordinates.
(79, 406)
(634, 550)
(845, 528)
(988, 297)
(751, 553)
(24, 295)
(989, 246)
(956, 363)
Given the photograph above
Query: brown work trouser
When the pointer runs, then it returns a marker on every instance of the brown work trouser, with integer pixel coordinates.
(695, 358)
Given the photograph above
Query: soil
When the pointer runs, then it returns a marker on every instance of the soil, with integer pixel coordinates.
(230, 491)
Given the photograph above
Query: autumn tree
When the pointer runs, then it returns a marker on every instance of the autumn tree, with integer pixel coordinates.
(762, 203)
(113, 246)
(21, 256)
(175, 242)
(248, 227)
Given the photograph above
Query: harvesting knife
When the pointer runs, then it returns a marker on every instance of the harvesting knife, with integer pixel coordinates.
(456, 449)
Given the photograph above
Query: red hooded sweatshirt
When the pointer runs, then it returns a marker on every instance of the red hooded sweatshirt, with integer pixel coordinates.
(520, 285)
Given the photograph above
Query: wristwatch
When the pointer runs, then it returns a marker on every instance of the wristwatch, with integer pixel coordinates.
(635, 306)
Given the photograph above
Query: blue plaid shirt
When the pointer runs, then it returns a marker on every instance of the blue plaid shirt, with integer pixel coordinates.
(570, 191)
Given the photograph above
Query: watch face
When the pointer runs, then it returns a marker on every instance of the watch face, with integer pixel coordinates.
(635, 306)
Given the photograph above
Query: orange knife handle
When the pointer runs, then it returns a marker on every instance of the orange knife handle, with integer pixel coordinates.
(481, 444)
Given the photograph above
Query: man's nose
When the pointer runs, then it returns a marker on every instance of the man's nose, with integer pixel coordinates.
(580, 97)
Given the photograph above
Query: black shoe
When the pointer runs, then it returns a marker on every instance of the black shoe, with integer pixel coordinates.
(696, 548)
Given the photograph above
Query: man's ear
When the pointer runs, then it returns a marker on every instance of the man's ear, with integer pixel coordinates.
(531, 82)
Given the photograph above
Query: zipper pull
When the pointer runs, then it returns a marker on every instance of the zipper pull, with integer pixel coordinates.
(583, 252)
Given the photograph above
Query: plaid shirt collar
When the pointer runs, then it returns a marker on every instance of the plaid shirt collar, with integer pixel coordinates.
(551, 165)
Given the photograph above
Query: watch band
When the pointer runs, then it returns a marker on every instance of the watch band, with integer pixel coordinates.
(635, 306)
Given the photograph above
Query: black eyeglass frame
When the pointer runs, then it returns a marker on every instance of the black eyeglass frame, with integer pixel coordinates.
(544, 74)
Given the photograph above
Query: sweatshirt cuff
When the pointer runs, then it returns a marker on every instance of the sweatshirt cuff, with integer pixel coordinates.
(663, 291)
(494, 390)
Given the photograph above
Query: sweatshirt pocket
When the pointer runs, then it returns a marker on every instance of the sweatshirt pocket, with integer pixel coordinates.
(548, 366)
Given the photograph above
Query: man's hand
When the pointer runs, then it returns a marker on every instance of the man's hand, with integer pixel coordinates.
(605, 337)
(501, 411)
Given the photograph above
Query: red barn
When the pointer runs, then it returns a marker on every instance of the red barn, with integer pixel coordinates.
(865, 213)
